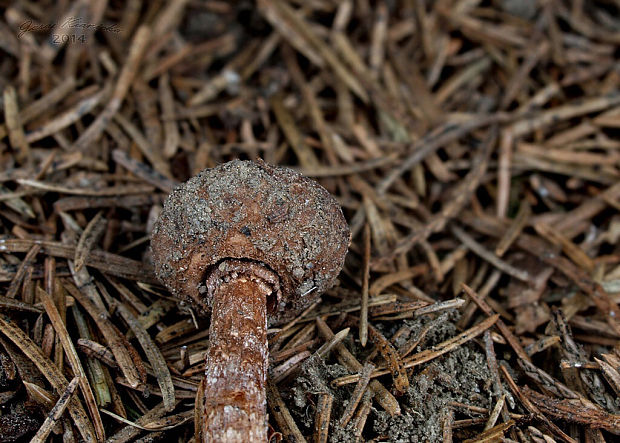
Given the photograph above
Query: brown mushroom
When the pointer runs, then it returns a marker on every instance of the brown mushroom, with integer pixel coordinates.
(254, 244)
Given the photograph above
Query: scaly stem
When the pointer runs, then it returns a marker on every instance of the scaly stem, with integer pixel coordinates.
(236, 363)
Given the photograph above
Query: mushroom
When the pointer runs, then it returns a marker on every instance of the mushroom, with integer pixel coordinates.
(253, 244)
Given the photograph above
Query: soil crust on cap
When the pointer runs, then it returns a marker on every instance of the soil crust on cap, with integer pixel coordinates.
(251, 210)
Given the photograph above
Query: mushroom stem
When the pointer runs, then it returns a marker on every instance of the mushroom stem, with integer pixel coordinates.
(236, 363)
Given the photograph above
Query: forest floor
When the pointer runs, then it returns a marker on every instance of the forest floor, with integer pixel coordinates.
(473, 146)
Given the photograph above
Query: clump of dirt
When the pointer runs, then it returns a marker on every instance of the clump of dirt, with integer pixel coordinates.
(314, 378)
(459, 376)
